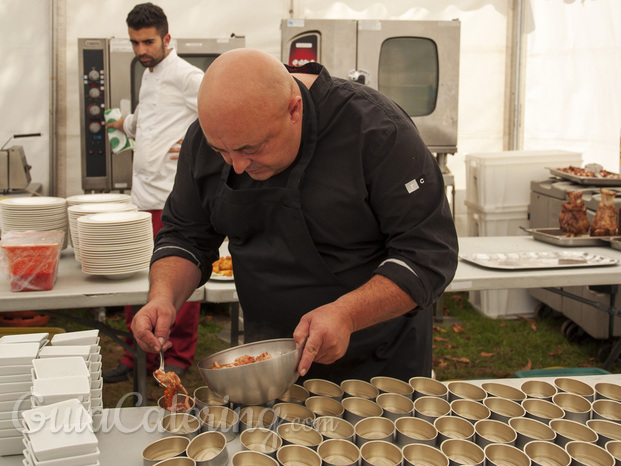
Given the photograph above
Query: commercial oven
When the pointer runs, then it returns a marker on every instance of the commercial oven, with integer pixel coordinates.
(110, 77)
(415, 63)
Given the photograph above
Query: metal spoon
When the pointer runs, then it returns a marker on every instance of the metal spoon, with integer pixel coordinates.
(160, 371)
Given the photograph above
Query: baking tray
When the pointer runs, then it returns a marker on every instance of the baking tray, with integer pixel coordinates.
(614, 241)
(559, 238)
(538, 260)
(586, 180)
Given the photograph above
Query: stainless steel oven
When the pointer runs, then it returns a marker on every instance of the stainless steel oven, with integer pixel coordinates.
(110, 77)
(415, 63)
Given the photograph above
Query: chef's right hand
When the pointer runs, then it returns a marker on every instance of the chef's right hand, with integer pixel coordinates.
(117, 124)
(151, 326)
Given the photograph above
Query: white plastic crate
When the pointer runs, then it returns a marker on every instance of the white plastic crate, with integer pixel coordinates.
(502, 223)
(501, 180)
(503, 304)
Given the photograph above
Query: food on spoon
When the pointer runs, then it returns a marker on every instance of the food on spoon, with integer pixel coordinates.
(573, 220)
(223, 266)
(605, 222)
(172, 383)
(242, 360)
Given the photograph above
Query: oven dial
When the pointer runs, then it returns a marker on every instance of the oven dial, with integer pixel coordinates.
(93, 75)
(94, 92)
(94, 110)
(94, 127)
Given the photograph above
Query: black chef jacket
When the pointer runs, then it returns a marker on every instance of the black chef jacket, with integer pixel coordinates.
(363, 196)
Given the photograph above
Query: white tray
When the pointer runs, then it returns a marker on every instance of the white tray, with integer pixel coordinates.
(538, 260)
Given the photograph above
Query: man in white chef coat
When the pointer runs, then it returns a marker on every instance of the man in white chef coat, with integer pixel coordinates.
(167, 105)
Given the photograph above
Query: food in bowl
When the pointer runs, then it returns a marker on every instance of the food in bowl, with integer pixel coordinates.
(242, 360)
(172, 383)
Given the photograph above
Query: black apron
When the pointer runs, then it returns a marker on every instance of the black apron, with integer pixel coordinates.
(280, 275)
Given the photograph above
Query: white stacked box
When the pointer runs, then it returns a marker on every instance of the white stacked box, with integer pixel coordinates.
(16, 356)
(497, 200)
(59, 434)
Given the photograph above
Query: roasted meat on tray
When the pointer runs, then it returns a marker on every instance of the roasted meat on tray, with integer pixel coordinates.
(573, 220)
(605, 222)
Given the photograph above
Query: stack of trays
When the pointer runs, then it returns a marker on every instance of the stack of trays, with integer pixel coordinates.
(16, 356)
(59, 434)
(85, 345)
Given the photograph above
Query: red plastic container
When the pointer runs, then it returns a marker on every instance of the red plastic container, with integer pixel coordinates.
(32, 258)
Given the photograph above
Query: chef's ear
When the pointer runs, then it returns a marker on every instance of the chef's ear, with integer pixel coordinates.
(295, 109)
(166, 40)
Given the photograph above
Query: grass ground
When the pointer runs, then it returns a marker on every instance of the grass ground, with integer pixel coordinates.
(467, 345)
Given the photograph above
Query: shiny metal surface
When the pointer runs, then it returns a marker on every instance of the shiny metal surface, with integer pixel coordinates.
(415, 454)
(378, 452)
(336, 452)
(588, 454)
(529, 430)
(543, 453)
(164, 448)
(255, 383)
(208, 449)
(567, 431)
(463, 452)
(499, 454)
(426, 386)
(252, 458)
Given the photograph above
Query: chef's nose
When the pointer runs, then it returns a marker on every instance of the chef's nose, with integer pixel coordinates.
(239, 162)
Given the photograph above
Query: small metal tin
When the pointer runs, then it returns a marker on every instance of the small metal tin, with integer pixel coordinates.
(529, 430)
(392, 385)
(292, 412)
(380, 452)
(296, 394)
(576, 407)
(502, 409)
(219, 419)
(395, 406)
(410, 430)
(205, 396)
(164, 448)
(567, 431)
(293, 433)
(470, 410)
(262, 440)
(359, 388)
(426, 386)
(539, 389)
(542, 410)
(416, 454)
(178, 461)
(374, 428)
(609, 410)
(331, 427)
(614, 448)
(543, 453)
(324, 406)
(208, 449)
(256, 416)
(588, 454)
(607, 391)
(357, 409)
(321, 387)
(336, 452)
(575, 386)
(463, 452)
(252, 458)
(607, 431)
(500, 454)
(298, 455)
(431, 408)
(488, 431)
(465, 391)
(179, 399)
(183, 424)
(501, 390)
(451, 427)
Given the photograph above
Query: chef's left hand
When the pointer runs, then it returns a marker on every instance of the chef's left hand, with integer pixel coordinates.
(323, 335)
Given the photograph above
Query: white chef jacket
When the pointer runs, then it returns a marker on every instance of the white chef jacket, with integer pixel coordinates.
(167, 105)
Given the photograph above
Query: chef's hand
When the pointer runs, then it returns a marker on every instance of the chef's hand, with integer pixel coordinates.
(118, 124)
(322, 335)
(151, 326)
(175, 149)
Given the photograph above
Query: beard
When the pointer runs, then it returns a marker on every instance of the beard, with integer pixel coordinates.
(149, 61)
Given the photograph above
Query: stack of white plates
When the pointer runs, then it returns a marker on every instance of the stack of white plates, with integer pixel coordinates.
(61, 432)
(98, 198)
(115, 245)
(79, 210)
(34, 213)
(16, 362)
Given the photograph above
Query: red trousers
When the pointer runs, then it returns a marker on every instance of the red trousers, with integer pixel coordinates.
(183, 334)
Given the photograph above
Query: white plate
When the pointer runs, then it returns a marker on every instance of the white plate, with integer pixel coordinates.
(222, 278)
(81, 460)
(16, 370)
(82, 337)
(98, 198)
(60, 367)
(47, 445)
(11, 445)
(19, 387)
(84, 209)
(115, 218)
(15, 378)
(538, 260)
(34, 201)
(18, 354)
(60, 351)
(65, 413)
(25, 338)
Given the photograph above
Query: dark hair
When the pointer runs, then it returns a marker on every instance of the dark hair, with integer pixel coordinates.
(146, 15)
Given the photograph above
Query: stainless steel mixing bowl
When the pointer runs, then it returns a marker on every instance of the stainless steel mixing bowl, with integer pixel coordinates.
(255, 383)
